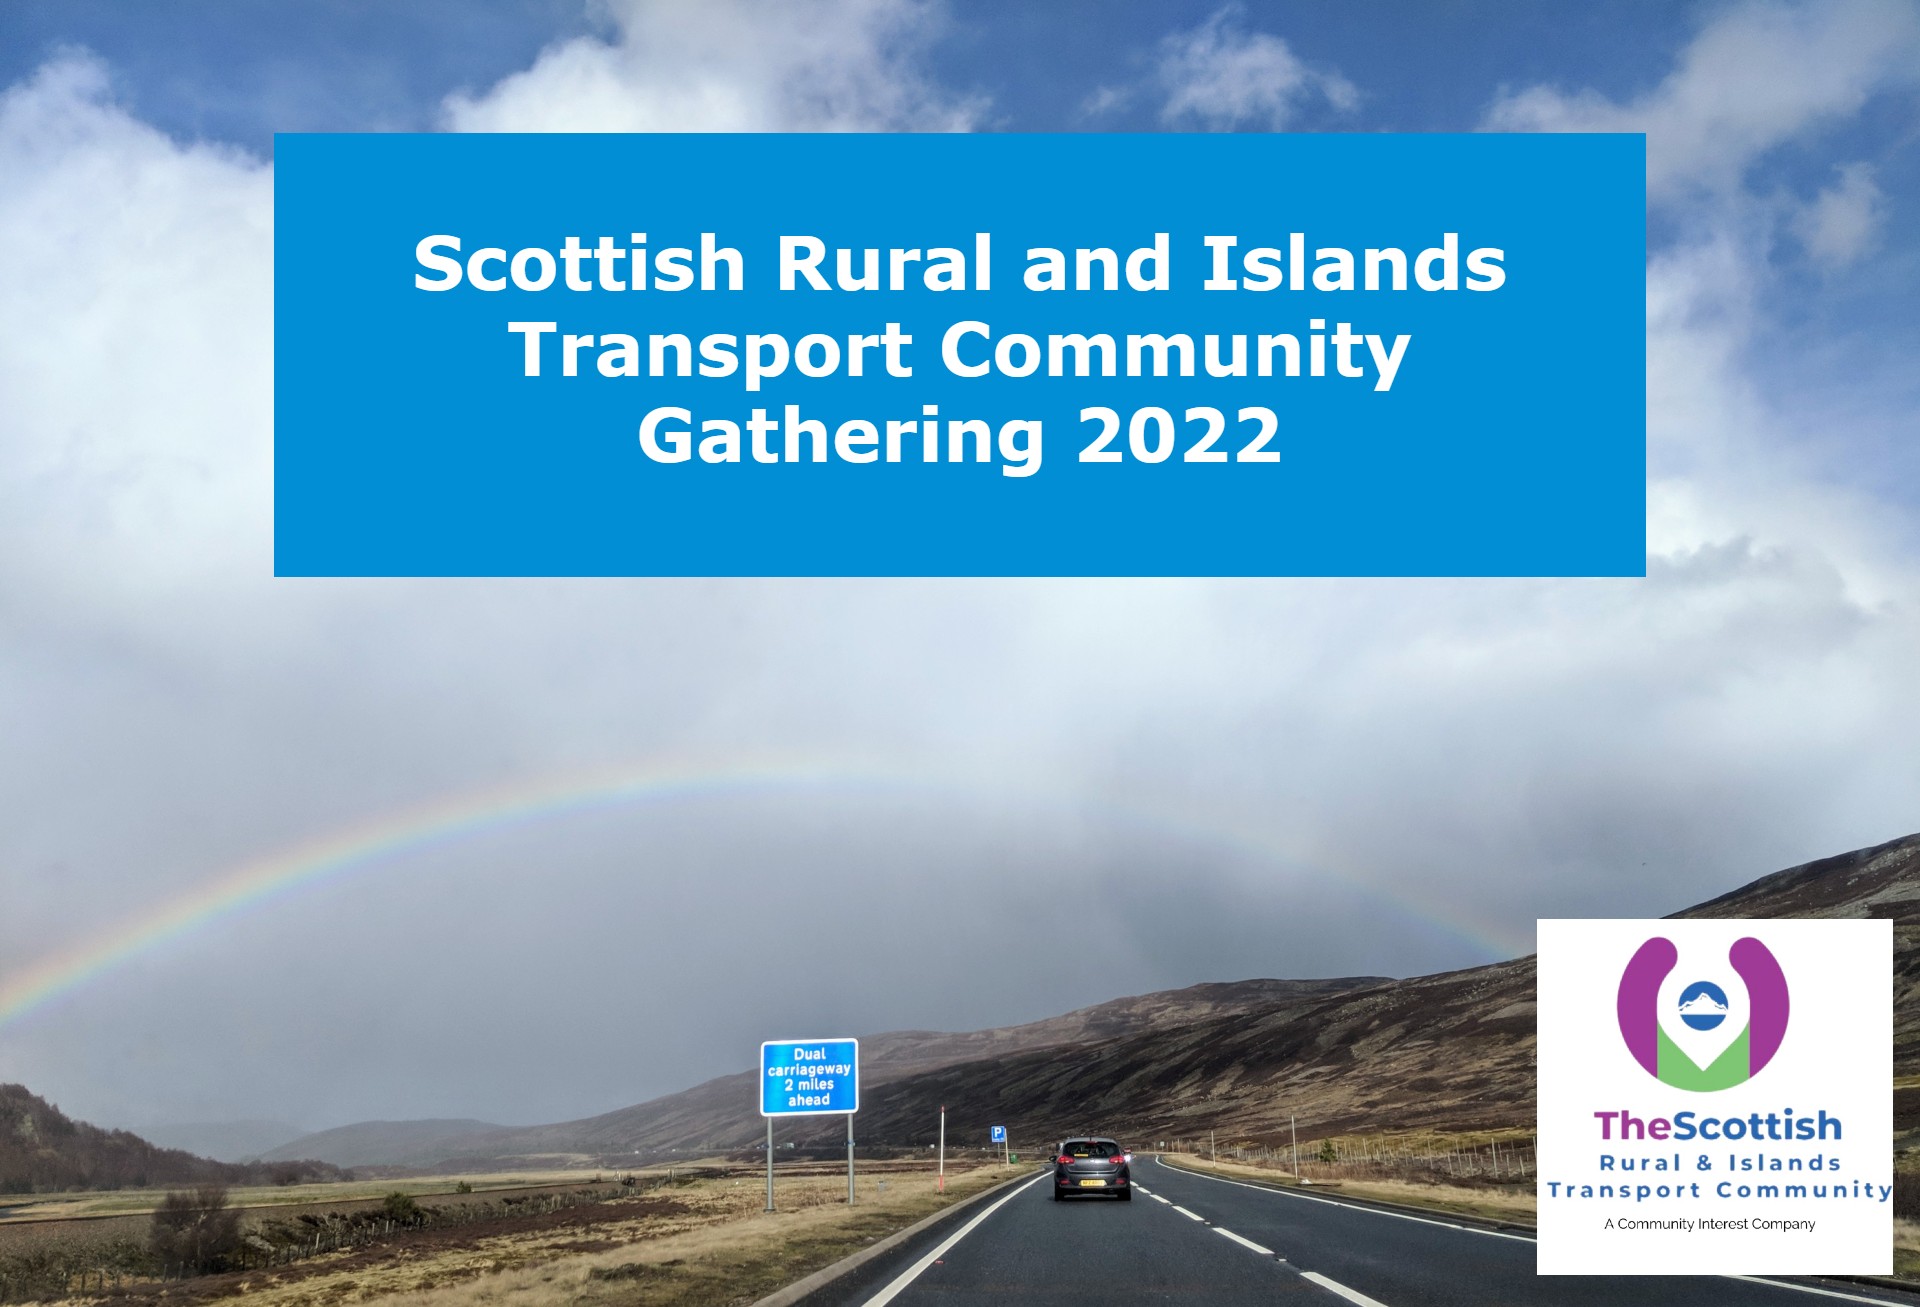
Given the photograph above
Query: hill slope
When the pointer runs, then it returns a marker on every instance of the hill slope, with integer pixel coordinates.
(378, 1143)
(719, 1113)
(43, 1150)
(223, 1141)
(1454, 1051)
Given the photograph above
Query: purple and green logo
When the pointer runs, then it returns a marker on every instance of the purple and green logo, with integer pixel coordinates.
(1703, 1006)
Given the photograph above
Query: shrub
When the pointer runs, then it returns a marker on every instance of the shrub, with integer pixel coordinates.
(400, 1209)
(196, 1229)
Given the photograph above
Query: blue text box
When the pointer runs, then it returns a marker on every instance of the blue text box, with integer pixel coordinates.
(809, 1077)
(1507, 438)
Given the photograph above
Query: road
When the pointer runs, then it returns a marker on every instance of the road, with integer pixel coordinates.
(1206, 1239)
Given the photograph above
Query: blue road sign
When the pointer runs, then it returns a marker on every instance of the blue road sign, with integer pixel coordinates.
(809, 1077)
(999, 1134)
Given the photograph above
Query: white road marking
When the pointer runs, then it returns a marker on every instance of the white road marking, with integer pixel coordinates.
(1808, 1288)
(1334, 1286)
(1351, 1207)
(1498, 1234)
(912, 1273)
(1158, 1199)
(1244, 1243)
(1191, 1216)
(1142, 1189)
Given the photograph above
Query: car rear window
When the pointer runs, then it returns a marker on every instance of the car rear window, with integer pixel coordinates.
(1090, 1148)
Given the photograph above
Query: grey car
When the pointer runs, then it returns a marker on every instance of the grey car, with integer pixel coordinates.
(1089, 1165)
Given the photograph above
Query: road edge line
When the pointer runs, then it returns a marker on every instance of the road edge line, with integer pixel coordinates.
(1482, 1225)
(820, 1279)
(906, 1278)
(1437, 1215)
(1819, 1290)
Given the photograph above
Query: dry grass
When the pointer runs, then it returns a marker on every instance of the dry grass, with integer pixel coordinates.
(139, 1202)
(1488, 1203)
(699, 1242)
(1906, 1249)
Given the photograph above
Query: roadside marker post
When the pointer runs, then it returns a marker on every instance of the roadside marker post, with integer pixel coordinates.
(941, 1184)
(809, 1077)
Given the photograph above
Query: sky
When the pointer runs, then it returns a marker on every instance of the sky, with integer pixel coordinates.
(579, 843)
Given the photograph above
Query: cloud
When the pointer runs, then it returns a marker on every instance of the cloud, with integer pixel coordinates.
(1220, 75)
(1232, 777)
(1842, 224)
(132, 273)
(732, 65)
(1756, 76)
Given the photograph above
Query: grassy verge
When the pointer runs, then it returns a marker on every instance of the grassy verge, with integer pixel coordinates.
(1906, 1249)
(694, 1244)
(1487, 1203)
(25, 1208)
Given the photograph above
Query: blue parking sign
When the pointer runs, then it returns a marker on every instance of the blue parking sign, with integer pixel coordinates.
(999, 1134)
(809, 1077)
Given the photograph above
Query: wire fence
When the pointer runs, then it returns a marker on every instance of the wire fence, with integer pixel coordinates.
(1496, 1161)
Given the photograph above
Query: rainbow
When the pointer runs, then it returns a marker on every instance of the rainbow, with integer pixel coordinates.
(261, 883)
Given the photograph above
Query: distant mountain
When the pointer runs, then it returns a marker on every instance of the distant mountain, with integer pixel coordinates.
(719, 1114)
(224, 1141)
(381, 1143)
(1447, 1051)
(43, 1150)
(1454, 1051)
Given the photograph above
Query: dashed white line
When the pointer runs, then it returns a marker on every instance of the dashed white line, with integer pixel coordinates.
(1355, 1296)
(1158, 1199)
(1191, 1216)
(912, 1273)
(1334, 1286)
(1244, 1243)
(1351, 1207)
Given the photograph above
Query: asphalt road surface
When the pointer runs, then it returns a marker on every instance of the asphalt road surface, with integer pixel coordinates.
(1202, 1239)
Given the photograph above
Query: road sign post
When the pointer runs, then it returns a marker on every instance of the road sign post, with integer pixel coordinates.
(809, 1077)
(999, 1136)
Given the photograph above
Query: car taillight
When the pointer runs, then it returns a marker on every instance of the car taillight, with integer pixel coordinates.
(1065, 1159)
(1117, 1160)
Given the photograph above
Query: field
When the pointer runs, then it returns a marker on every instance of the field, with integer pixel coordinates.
(675, 1239)
(16, 1209)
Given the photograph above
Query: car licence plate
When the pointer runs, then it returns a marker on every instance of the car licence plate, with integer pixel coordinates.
(1093, 1184)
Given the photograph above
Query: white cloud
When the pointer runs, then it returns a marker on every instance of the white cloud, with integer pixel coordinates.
(734, 66)
(1221, 75)
(1757, 75)
(137, 318)
(1105, 100)
(1492, 750)
(1842, 224)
